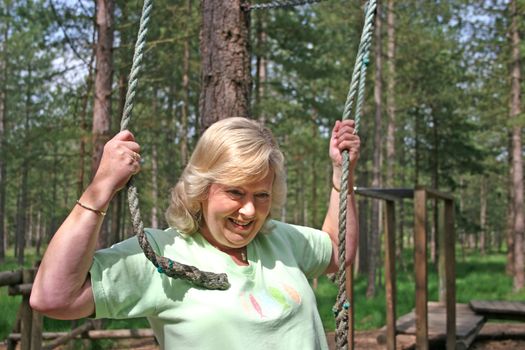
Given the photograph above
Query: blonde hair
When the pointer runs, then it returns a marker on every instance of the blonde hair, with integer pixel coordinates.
(232, 151)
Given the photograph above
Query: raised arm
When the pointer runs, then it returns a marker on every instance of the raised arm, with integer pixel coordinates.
(343, 138)
(62, 288)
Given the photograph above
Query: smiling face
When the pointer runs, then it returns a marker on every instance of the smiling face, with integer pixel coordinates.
(233, 215)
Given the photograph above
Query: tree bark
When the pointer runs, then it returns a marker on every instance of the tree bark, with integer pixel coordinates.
(435, 184)
(376, 170)
(509, 237)
(3, 136)
(390, 96)
(225, 76)
(517, 159)
(103, 80)
(83, 123)
(483, 215)
(184, 153)
(261, 63)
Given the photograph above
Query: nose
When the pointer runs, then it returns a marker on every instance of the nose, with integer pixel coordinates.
(248, 208)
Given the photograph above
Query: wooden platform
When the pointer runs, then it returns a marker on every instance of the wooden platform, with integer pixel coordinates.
(468, 325)
(505, 310)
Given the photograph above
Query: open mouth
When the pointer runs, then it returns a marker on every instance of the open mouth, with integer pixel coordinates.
(243, 225)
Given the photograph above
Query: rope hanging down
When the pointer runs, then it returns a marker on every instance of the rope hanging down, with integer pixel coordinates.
(357, 85)
(164, 265)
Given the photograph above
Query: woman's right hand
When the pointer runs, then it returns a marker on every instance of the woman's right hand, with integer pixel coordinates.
(120, 160)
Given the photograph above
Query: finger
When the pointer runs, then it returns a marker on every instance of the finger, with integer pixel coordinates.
(345, 129)
(348, 122)
(136, 168)
(132, 145)
(124, 135)
(135, 156)
(335, 128)
(349, 145)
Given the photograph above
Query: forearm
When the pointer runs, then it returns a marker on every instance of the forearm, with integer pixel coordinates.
(331, 225)
(65, 266)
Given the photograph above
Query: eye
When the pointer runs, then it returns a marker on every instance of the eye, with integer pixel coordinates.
(235, 193)
(262, 196)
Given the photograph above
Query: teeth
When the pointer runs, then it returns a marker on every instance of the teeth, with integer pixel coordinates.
(241, 223)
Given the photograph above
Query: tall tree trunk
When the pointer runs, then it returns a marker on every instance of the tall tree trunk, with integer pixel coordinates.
(509, 237)
(21, 220)
(517, 159)
(184, 153)
(376, 170)
(3, 138)
(390, 96)
(435, 184)
(483, 215)
(83, 122)
(154, 166)
(225, 61)
(103, 78)
(261, 63)
(315, 132)
(154, 187)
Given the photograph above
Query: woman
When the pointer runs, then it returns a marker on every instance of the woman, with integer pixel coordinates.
(219, 222)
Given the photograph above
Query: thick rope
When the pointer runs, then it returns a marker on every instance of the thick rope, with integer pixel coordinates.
(164, 265)
(277, 4)
(357, 85)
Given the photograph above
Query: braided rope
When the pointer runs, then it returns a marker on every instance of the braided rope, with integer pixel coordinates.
(277, 4)
(164, 265)
(357, 85)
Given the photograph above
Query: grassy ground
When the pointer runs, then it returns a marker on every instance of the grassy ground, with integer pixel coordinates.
(478, 277)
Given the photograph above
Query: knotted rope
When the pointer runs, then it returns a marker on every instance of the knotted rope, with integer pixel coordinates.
(357, 85)
(164, 265)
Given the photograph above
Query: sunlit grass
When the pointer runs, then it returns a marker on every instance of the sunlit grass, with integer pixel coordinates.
(478, 277)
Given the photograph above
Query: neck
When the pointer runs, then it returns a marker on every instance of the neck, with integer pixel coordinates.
(238, 255)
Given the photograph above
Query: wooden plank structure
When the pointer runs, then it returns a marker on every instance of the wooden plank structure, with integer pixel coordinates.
(504, 310)
(446, 264)
(468, 325)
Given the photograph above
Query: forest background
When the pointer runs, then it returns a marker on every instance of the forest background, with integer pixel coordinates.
(442, 109)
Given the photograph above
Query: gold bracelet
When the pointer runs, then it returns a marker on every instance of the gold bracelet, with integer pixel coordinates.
(338, 190)
(98, 212)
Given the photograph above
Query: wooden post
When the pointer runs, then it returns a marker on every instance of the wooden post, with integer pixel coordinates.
(26, 313)
(450, 272)
(390, 274)
(420, 261)
(36, 331)
(442, 248)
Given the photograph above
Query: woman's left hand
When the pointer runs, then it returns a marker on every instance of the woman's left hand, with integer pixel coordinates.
(343, 138)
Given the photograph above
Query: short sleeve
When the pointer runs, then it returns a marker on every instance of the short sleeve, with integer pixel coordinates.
(311, 248)
(123, 281)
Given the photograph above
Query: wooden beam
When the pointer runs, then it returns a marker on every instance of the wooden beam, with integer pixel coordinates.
(71, 335)
(10, 277)
(433, 193)
(390, 274)
(420, 261)
(20, 289)
(385, 193)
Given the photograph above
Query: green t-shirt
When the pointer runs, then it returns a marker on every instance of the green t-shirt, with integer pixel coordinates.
(270, 304)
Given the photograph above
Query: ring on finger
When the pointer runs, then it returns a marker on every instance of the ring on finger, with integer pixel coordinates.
(135, 156)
